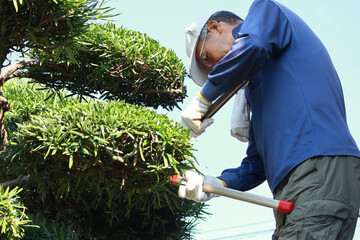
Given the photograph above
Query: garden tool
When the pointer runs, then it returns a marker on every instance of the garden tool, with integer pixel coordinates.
(280, 205)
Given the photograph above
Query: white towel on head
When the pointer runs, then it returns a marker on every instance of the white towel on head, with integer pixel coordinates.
(240, 118)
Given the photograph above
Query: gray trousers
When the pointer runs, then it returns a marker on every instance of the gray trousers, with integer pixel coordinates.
(326, 195)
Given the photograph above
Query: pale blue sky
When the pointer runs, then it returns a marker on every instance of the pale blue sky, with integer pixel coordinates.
(336, 24)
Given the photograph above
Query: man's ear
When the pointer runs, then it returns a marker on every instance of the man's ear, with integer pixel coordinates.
(214, 26)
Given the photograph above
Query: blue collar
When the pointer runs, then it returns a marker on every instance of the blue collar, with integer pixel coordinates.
(236, 30)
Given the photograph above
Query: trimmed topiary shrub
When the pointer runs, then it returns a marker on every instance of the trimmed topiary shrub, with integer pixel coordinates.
(102, 167)
(114, 63)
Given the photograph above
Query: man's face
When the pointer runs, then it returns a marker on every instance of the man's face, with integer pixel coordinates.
(215, 45)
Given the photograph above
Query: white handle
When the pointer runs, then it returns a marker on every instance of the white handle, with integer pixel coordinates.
(243, 196)
(282, 206)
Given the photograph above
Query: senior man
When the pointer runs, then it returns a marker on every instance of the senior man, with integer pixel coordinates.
(299, 140)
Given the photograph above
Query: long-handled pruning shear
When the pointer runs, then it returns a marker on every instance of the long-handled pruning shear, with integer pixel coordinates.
(280, 205)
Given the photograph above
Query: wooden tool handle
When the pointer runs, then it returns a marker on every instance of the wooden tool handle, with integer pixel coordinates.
(221, 101)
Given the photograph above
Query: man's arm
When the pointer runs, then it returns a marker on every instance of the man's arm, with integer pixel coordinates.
(249, 174)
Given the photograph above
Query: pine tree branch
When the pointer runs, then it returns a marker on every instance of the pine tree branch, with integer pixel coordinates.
(18, 182)
(12, 70)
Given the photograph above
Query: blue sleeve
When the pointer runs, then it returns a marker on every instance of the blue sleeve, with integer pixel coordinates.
(264, 34)
(250, 173)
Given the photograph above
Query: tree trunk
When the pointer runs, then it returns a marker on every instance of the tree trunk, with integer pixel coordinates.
(4, 107)
(10, 72)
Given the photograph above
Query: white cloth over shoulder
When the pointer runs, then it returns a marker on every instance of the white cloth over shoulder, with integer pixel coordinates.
(240, 118)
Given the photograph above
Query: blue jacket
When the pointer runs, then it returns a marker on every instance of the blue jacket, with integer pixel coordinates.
(295, 95)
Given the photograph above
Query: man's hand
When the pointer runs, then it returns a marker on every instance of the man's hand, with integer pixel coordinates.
(192, 186)
(193, 113)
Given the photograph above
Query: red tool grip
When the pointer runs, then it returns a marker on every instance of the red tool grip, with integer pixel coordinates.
(175, 179)
(285, 206)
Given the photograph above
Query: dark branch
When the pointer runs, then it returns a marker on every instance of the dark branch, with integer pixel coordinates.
(11, 70)
(18, 182)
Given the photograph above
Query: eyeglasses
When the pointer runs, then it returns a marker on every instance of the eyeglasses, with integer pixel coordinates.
(204, 59)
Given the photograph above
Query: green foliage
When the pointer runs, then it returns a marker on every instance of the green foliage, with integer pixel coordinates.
(115, 63)
(45, 23)
(50, 230)
(101, 167)
(12, 214)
